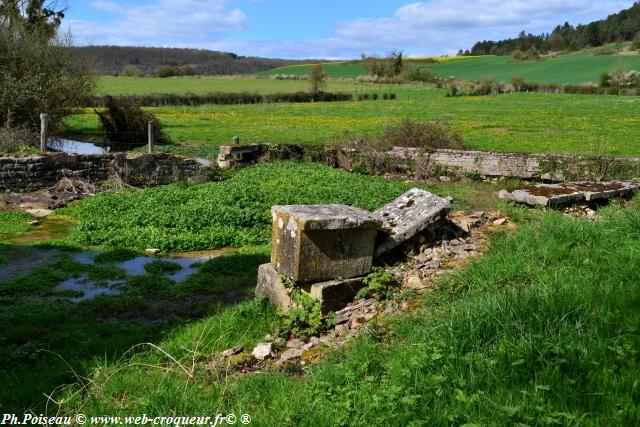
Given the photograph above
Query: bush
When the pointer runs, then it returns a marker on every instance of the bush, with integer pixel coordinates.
(125, 124)
(165, 71)
(223, 98)
(604, 79)
(420, 75)
(517, 82)
(132, 71)
(15, 139)
(412, 134)
(604, 51)
(635, 44)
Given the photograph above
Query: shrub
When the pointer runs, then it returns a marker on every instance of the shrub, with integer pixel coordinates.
(604, 79)
(517, 82)
(15, 139)
(162, 268)
(186, 70)
(604, 51)
(379, 284)
(165, 71)
(428, 135)
(420, 75)
(125, 124)
(635, 44)
(132, 71)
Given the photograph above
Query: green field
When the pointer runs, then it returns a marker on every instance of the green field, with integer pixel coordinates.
(109, 85)
(589, 125)
(575, 68)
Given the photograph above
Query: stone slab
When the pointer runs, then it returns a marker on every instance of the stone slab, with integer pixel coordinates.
(407, 216)
(316, 243)
(270, 286)
(333, 295)
(550, 195)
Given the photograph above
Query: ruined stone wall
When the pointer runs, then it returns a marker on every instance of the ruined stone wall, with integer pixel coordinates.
(421, 164)
(29, 173)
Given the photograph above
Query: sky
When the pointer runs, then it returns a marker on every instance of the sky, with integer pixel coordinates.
(322, 29)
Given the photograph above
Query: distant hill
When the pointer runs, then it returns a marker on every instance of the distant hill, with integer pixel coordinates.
(573, 68)
(619, 27)
(112, 60)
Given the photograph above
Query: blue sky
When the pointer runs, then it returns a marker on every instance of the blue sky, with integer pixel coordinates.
(321, 29)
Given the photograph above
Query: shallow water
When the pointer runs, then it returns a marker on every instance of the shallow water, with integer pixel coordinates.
(188, 261)
(47, 229)
(77, 147)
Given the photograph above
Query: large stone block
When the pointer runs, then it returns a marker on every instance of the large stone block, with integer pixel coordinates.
(407, 216)
(323, 242)
(333, 295)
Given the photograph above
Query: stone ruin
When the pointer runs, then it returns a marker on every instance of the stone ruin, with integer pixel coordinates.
(554, 195)
(327, 250)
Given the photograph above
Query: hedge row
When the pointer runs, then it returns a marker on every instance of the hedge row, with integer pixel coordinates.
(579, 89)
(224, 98)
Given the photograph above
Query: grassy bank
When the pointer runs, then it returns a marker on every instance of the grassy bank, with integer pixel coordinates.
(541, 331)
(579, 124)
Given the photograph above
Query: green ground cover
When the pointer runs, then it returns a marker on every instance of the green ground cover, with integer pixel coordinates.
(235, 212)
(109, 85)
(576, 68)
(543, 330)
(582, 124)
(13, 224)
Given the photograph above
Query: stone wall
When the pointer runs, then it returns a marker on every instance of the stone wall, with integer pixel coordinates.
(422, 164)
(28, 173)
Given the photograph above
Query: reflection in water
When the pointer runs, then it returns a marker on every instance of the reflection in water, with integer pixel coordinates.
(76, 147)
(189, 263)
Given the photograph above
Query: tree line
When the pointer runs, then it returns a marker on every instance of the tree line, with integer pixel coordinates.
(166, 62)
(619, 27)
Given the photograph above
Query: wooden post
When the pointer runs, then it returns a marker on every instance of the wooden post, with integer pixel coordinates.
(236, 140)
(150, 137)
(44, 132)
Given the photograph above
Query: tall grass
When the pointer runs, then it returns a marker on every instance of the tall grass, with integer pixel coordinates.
(544, 330)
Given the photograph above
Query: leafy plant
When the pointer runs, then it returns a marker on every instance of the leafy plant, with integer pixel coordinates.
(380, 284)
(162, 268)
(3, 259)
(115, 255)
(304, 318)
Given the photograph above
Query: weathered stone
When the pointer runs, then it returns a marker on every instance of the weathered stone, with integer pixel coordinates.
(358, 309)
(562, 194)
(239, 155)
(152, 251)
(295, 343)
(500, 221)
(413, 282)
(232, 351)
(407, 216)
(263, 351)
(333, 295)
(290, 354)
(270, 286)
(318, 243)
(336, 294)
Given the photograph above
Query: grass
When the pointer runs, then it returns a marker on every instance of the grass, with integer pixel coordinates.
(109, 85)
(541, 331)
(578, 124)
(235, 212)
(48, 342)
(13, 224)
(575, 68)
(162, 268)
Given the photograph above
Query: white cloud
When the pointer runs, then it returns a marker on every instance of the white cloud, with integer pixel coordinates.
(422, 28)
(162, 23)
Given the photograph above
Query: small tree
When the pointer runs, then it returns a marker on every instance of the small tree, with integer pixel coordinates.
(317, 79)
(517, 82)
(165, 71)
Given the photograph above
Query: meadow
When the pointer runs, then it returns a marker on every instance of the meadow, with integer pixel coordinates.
(542, 330)
(575, 68)
(579, 124)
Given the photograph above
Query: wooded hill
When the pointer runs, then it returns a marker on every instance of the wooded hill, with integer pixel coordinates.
(116, 60)
(619, 27)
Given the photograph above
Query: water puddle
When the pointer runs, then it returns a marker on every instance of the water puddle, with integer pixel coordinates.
(76, 147)
(47, 229)
(89, 290)
(189, 263)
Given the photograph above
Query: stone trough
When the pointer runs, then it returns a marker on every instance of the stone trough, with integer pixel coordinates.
(325, 251)
(551, 195)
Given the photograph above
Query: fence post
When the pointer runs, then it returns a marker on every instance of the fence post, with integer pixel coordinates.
(236, 140)
(150, 137)
(44, 132)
